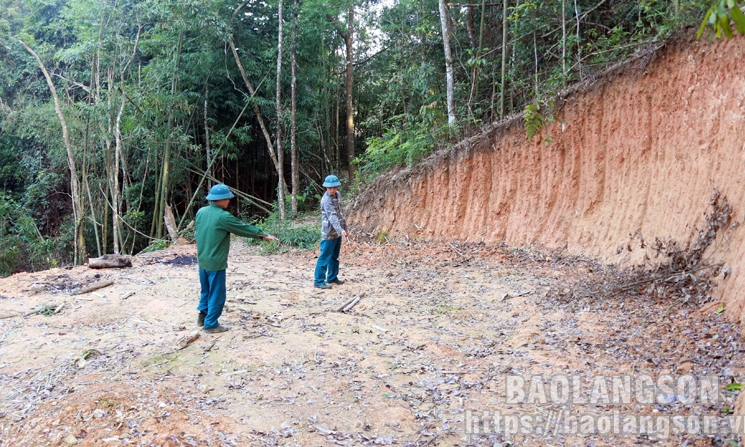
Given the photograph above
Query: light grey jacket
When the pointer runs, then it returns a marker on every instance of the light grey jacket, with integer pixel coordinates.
(332, 217)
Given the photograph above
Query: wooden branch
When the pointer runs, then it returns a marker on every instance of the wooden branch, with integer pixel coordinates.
(349, 306)
(76, 208)
(187, 340)
(257, 110)
(337, 25)
(94, 286)
(350, 303)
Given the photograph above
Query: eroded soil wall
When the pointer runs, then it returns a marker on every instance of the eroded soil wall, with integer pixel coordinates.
(641, 149)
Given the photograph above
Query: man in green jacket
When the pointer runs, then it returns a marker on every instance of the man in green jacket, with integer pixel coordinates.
(214, 225)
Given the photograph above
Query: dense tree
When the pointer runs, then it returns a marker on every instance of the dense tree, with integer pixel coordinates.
(157, 99)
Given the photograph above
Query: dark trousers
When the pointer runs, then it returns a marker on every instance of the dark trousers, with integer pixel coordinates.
(327, 267)
(212, 298)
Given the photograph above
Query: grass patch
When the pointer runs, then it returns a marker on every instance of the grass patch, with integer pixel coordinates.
(160, 360)
(303, 232)
(444, 309)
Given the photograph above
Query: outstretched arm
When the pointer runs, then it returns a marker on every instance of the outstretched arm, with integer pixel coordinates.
(240, 228)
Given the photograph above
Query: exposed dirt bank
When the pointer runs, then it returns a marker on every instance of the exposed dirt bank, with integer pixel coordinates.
(639, 150)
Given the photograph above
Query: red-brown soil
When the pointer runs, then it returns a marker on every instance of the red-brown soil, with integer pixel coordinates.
(639, 150)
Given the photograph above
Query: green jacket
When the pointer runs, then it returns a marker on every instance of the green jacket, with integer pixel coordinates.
(214, 226)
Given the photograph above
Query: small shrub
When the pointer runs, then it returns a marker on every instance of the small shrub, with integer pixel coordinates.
(156, 245)
(22, 246)
(382, 236)
(291, 233)
(408, 139)
(44, 309)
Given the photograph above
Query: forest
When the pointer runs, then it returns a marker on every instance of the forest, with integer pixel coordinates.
(115, 114)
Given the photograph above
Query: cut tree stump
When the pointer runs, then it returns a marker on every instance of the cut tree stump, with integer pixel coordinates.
(110, 262)
(170, 222)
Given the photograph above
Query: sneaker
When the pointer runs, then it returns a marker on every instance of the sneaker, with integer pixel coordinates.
(322, 286)
(200, 319)
(337, 281)
(216, 330)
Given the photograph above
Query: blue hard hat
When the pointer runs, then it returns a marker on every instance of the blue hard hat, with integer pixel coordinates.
(220, 192)
(331, 181)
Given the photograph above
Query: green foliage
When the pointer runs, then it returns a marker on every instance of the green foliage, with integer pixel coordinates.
(533, 119)
(408, 140)
(298, 233)
(182, 61)
(381, 237)
(44, 309)
(22, 247)
(718, 17)
(156, 245)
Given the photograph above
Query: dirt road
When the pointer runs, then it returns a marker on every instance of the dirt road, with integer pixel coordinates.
(437, 334)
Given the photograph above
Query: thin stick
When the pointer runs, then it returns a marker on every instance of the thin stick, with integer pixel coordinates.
(211, 345)
(346, 303)
(96, 286)
(350, 303)
(349, 306)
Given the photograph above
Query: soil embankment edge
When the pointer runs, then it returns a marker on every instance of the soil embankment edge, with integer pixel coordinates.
(639, 150)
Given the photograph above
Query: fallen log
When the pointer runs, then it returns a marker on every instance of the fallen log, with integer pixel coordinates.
(110, 262)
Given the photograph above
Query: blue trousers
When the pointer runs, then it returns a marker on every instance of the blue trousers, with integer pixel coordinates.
(327, 267)
(212, 298)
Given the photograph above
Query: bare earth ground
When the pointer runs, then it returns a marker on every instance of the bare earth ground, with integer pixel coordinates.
(437, 331)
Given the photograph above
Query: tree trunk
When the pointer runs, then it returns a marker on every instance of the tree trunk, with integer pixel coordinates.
(563, 43)
(504, 56)
(93, 215)
(207, 136)
(86, 186)
(535, 55)
(476, 68)
(77, 212)
(167, 155)
(280, 152)
(448, 61)
(470, 26)
(257, 110)
(294, 168)
(579, 43)
(115, 196)
(350, 86)
(116, 190)
(110, 171)
(337, 128)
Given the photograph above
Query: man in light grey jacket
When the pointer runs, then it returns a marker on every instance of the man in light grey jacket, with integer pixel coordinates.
(333, 229)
